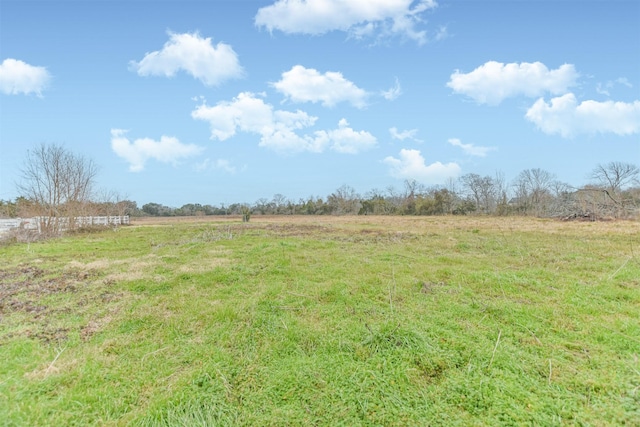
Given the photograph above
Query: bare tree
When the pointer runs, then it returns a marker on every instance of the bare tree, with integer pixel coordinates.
(501, 193)
(451, 185)
(482, 190)
(395, 199)
(615, 176)
(262, 205)
(374, 202)
(113, 203)
(344, 201)
(533, 191)
(410, 193)
(613, 179)
(279, 203)
(564, 201)
(58, 183)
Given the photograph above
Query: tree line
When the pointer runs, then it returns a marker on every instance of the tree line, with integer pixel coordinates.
(57, 183)
(613, 193)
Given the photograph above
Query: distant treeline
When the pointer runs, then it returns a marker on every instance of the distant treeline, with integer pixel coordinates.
(614, 192)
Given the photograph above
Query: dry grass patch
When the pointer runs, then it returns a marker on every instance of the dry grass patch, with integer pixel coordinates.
(118, 270)
(211, 259)
(313, 225)
(53, 367)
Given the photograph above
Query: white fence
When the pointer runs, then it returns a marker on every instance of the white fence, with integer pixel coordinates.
(39, 222)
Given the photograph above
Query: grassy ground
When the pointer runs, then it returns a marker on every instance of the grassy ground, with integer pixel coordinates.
(324, 321)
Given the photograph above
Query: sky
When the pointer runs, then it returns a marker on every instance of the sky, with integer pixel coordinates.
(232, 101)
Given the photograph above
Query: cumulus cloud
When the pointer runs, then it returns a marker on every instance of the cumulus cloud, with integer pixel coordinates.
(138, 152)
(359, 18)
(345, 140)
(411, 165)
(566, 117)
(405, 134)
(18, 77)
(302, 84)
(246, 112)
(279, 130)
(493, 82)
(470, 149)
(193, 54)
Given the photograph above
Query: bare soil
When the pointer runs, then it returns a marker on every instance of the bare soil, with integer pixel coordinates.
(25, 288)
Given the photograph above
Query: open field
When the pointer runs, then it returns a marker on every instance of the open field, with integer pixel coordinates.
(324, 321)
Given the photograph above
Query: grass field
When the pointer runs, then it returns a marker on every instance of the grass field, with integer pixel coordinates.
(324, 321)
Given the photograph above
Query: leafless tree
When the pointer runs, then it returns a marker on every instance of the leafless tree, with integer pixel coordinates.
(376, 203)
(279, 203)
(262, 206)
(113, 203)
(615, 176)
(614, 179)
(482, 190)
(501, 193)
(344, 201)
(533, 191)
(563, 200)
(57, 182)
(395, 198)
(412, 189)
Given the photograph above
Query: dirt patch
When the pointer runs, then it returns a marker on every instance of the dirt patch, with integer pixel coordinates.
(52, 335)
(26, 306)
(297, 230)
(428, 287)
(21, 288)
(24, 291)
(93, 327)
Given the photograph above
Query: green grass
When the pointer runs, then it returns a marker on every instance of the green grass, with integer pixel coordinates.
(331, 321)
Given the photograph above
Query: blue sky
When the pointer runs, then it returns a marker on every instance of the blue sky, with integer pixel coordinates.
(230, 101)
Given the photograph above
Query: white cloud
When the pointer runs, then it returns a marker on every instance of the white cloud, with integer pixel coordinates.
(471, 149)
(220, 164)
(345, 140)
(246, 113)
(405, 134)
(603, 88)
(194, 55)
(19, 77)
(225, 165)
(278, 129)
(564, 116)
(624, 81)
(393, 92)
(302, 84)
(359, 18)
(493, 82)
(411, 165)
(167, 150)
(442, 33)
